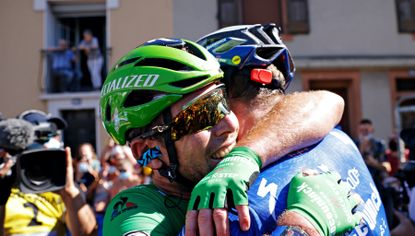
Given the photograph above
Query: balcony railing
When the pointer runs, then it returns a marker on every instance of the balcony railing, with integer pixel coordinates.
(76, 76)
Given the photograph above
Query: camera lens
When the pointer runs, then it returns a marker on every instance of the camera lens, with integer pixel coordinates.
(36, 174)
(42, 170)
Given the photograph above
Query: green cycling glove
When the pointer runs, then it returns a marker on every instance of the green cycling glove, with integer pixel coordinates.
(325, 201)
(234, 173)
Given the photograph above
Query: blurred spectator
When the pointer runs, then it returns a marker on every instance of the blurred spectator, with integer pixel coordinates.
(102, 193)
(87, 170)
(373, 153)
(405, 226)
(408, 171)
(90, 46)
(372, 149)
(119, 153)
(392, 156)
(119, 171)
(408, 136)
(127, 177)
(63, 63)
(104, 185)
(87, 153)
(6, 162)
(129, 155)
(106, 151)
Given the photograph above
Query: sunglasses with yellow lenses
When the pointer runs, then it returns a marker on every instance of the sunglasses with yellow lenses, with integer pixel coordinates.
(202, 113)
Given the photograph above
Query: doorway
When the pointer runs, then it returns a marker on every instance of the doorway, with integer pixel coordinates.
(344, 84)
(81, 128)
(340, 88)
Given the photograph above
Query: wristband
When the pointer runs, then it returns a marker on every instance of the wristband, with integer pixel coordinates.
(246, 152)
(233, 175)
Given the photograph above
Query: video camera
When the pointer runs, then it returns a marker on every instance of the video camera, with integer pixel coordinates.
(40, 164)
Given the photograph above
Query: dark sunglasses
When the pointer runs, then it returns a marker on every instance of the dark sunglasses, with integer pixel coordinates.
(202, 113)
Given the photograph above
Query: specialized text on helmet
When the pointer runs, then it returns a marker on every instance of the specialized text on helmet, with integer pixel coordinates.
(130, 81)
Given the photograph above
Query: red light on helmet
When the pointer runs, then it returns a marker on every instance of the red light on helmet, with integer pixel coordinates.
(262, 76)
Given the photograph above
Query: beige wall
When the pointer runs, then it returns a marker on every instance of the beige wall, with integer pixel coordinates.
(22, 36)
(20, 43)
(136, 21)
(132, 23)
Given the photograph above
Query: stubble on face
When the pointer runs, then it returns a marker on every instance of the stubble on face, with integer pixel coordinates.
(199, 153)
(193, 152)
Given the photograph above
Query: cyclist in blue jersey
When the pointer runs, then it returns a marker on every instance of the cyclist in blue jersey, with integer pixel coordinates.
(258, 68)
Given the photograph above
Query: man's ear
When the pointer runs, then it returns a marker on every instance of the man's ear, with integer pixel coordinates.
(139, 146)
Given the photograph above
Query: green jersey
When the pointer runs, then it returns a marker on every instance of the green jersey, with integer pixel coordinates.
(145, 209)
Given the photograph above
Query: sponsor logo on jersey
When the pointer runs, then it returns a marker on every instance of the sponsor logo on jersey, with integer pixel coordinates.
(136, 233)
(122, 206)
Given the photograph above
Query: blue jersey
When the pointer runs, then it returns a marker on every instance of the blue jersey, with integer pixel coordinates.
(268, 194)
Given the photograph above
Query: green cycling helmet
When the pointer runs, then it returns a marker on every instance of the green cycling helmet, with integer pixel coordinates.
(151, 78)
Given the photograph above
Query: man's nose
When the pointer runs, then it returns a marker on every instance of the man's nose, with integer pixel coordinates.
(229, 124)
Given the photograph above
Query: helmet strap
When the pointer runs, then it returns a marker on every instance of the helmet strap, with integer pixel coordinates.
(171, 172)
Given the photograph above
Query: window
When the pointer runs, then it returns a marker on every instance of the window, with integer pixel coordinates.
(68, 21)
(81, 128)
(405, 84)
(229, 13)
(290, 15)
(297, 17)
(406, 15)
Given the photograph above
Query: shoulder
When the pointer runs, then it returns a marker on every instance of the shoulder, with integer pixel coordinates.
(138, 209)
(143, 195)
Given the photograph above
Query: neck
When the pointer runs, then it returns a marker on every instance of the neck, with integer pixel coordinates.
(247, 115)
(171, 188)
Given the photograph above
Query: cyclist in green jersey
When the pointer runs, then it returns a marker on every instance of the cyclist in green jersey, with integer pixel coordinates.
(164, 98)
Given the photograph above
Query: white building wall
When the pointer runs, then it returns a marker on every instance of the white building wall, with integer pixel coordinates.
(295, 84)
(352, 27)
(376, 101)
(194, 18)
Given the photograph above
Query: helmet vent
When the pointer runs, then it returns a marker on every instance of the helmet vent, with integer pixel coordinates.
(266, 52)
(194, 51)
(255, 31)
(128, 61)
(189, 82)
(163, 63)
(108, 112)
(139, 97)
(272, 31)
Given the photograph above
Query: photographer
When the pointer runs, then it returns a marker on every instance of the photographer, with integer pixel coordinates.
(50, 212)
